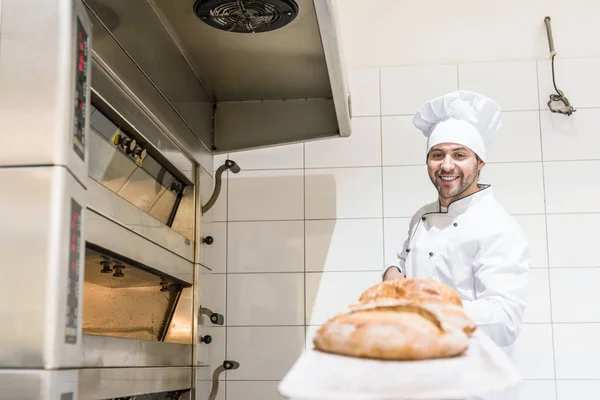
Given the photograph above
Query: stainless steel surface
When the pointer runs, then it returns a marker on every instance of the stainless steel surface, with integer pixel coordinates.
(121, 106)
(109, 55)
(326, 11)
(200, 66)
(253, 124)
(180, 328)
(39, 384)
(155, 243)
(37, 78)
(124, 300)
(35, 243)
(103, 383)
(107, 352)
(234, 67)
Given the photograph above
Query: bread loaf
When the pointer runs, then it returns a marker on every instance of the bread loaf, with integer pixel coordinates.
(390, 332)
(450, 315)
(405, 319)
(414, 289)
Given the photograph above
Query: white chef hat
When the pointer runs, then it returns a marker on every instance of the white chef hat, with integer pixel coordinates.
(462, 117)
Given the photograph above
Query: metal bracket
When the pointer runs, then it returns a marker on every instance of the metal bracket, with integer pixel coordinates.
(229, 164)
(227, 365)
(215, 318)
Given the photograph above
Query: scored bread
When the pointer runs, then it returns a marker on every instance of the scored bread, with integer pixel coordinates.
(416, 290)
(448, 314)
(393, 331)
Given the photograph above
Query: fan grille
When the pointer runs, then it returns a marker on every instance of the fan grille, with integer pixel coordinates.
(246, 16)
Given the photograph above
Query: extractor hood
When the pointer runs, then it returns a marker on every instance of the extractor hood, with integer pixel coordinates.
(223, 74)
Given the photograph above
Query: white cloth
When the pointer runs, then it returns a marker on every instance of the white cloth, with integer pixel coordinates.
(463, 117)
(477, 248)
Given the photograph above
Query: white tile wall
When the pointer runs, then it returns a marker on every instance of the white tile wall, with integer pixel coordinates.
(265, 246)
(304, 221)
(264, 353)
(405, 89)
(265, 299)
(344, 245)
(575, 77)
(347, 286)
(343, 193)
(512, 84)
(537, 390)
(395, 231)
(575, 294)
(534, 227)
(405, 190)
(534, 353)
(568, 138)
(265, 195)
(518, 139)
(361, 149)
(538, 299)
(280, 157)
(577, 351)
(572, 186)
(579, 390)
(214, 256)
(519, 187)
(364, 87)
(250, 390)
(402, 143)
(572, 240)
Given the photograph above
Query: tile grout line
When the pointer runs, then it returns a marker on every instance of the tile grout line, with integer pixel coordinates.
(382, 171)
(304, 243)
(226, 378)
(546, 223)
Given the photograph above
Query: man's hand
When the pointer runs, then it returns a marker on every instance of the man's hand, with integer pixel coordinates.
(393, 273)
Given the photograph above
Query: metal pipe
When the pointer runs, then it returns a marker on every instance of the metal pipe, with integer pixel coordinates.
(547, 21)
(229, 164)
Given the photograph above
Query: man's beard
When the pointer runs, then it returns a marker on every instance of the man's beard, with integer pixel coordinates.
(464, 183)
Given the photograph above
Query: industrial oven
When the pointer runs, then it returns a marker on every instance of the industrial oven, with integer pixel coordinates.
(103, 250)
(106, 161)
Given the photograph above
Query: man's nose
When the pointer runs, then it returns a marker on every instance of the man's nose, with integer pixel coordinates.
(447, 163)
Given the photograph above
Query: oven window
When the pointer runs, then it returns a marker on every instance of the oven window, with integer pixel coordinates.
(118, 163)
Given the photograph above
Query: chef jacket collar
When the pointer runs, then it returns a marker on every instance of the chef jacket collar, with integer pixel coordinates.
(459, 206)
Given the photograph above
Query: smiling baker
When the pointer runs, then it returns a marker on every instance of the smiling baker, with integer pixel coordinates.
(466, 239)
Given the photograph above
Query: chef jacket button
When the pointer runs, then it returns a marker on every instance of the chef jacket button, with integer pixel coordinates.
(455, 224)
(430, 254)
(423, 218)
(408, 250)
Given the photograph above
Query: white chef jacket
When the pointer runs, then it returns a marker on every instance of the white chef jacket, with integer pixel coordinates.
(478, 249)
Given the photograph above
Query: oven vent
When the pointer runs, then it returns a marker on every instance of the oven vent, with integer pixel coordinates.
(246, 16)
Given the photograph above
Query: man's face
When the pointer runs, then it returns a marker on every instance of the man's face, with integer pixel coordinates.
(453, 170)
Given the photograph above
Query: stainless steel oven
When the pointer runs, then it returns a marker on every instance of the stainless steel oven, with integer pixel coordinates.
(110, 113)
(101, 220)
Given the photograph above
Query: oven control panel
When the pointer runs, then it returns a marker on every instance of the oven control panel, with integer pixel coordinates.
(81, 74)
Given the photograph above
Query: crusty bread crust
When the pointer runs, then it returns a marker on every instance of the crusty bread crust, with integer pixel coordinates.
(414, 289)
(399, 332)
(449, 315)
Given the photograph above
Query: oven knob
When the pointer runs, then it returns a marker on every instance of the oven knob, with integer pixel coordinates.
(206, 339)
(128, 144)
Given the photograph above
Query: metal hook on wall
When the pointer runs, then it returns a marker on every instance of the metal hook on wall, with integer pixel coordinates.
(567, 109)
(229, 164)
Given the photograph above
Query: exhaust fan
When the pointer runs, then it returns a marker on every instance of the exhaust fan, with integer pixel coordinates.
(246, 16)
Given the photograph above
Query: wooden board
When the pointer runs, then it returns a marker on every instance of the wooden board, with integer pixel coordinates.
(483, 368)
